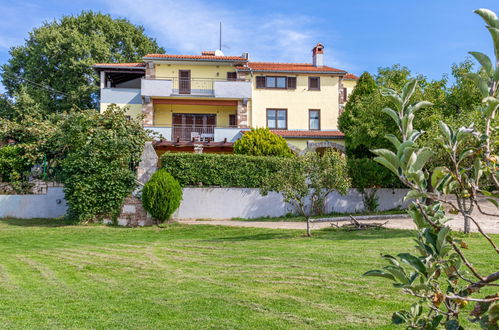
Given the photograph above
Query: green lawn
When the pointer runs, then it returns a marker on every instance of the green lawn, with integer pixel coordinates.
(55, 276)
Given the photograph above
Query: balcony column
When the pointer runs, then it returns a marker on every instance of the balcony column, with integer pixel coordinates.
(148, 112)
(150, 71)
(242, 113)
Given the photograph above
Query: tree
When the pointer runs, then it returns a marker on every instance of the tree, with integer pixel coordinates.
(262, 142)
(441, 277)
(305, 182)
(54, 64)
(100, 155)
(161, 195)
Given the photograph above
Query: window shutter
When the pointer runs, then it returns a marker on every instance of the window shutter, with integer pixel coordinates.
(291, 82)
(344, 94)
(260, 82)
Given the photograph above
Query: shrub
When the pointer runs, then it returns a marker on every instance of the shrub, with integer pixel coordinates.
(12, 165)
(262, 142)
(161, 195)
(98, 170)
(223, 170)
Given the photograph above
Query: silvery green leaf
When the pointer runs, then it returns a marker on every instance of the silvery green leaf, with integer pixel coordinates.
(408, 90)
(445, 131)
(419, 105)
(393, 114)
(488, 16)
(485, 61)
(393, 139)
(422, 157)
(383, 161)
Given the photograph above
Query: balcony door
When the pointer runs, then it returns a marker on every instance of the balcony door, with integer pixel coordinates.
(187, 127)
(184, 81)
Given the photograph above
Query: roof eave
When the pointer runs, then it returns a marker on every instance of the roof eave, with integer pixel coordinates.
(96, 67)
(329, 137)
(339, 73)
(192, 59)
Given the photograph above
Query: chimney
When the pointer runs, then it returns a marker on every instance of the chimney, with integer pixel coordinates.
(318, 55)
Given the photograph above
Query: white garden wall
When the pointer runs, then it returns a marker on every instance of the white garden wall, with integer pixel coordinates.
(50, 204)
(202, 203)
(227, 203)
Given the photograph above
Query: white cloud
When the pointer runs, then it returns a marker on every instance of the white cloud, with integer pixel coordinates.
(193, 25)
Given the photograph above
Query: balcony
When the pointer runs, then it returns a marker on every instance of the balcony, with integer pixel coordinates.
(198, 133)
(120, 95)
(167, 87)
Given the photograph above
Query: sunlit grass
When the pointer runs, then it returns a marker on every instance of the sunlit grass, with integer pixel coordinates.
(179, 276)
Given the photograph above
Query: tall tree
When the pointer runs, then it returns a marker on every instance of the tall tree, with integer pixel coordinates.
(54, 64)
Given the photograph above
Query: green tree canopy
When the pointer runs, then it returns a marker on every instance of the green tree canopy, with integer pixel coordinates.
(54, 64)
(365, 125)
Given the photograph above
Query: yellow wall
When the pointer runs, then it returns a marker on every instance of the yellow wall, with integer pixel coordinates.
(163, 112)
(197, 71)
(133, 110)
(302, 143)
(298, 102)
(349, 85)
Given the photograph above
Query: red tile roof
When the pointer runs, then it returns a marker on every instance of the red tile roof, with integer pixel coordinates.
(350, 76)
(310, 134)
(288, 67)
(196, 57)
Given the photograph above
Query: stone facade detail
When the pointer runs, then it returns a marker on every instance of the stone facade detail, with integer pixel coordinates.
(148, 112)
(132, 213)
(36, 187)
(148, 163)
(242, 114)
(150, 71)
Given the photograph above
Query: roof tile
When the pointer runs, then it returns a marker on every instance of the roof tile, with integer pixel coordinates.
(196, 57)
(289, 67)
(350, 76)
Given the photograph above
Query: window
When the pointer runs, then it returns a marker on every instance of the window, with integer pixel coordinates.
(277, 119)
(232, 120)
(231, 76)
(344, 95)
(260, 82)
(314, 83)
(291, 82)
(275, 82)
(314, 120)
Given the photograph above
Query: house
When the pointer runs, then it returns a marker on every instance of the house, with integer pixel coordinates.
(211, 99)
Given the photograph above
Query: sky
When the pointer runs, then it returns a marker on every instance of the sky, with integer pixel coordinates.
(359, 35)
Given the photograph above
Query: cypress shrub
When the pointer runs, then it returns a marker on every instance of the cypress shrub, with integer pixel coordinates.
(161, 195)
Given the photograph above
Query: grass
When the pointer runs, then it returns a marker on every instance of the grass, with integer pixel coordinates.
(191, 277)
(295, 218)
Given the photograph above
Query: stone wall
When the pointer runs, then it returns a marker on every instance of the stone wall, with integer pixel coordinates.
(133, 214)
(37, 187)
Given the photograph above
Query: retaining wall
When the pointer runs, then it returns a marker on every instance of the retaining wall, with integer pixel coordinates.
(50, 204)
(199, 203)
(227, 203)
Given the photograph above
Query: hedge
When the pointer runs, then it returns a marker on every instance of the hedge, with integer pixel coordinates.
(366, 173)
(223, 170)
